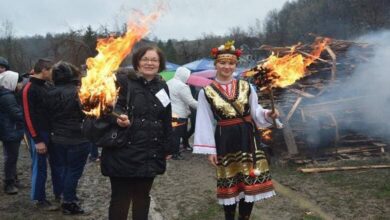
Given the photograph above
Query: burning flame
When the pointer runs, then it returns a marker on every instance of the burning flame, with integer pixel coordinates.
(287, 69)
(291, 67)
(266, 135)
(98, 93)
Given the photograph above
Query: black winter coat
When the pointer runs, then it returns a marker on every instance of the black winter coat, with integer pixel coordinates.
(34, 96)
(11, 117)
(65, 114)
(149, 135)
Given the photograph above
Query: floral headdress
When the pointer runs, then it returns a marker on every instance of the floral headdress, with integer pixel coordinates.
(226, 51)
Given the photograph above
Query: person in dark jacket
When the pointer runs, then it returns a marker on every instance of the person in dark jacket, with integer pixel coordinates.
(34, 97)
(133, 168)
(11, 128)
(69, 148)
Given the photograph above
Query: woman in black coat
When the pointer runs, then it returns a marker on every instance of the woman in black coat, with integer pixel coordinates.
(133, 167)
(69, 150)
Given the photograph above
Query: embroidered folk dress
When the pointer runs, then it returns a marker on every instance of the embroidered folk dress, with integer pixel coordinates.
(222, 131)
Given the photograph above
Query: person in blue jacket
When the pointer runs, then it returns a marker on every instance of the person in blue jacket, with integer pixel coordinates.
(11, 128)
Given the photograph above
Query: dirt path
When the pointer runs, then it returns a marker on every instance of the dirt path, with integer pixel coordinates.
(301, 201)
(187, 192)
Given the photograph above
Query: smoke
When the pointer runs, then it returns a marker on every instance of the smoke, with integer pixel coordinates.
(362, 96)
(372, 79)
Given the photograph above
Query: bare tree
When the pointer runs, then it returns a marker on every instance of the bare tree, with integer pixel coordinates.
(10, 48)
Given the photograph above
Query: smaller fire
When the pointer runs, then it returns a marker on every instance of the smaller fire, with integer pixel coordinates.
(286, 70)
(176, 123)
(266, 135)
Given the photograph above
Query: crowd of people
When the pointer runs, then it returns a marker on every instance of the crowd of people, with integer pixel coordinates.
(155, 115)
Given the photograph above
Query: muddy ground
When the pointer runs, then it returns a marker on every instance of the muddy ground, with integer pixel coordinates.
(186, 191)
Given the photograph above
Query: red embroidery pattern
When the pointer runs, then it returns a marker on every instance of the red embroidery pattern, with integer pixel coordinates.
(229, 94)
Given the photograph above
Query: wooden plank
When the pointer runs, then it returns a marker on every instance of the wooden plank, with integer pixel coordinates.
(333, 56)
(294, 107)
(336, 129)
(288, 136)
(303, 116)
(330, 169)
(332, 106)
(357, 141)
(302, 93)
(358, 150)
(317, 58)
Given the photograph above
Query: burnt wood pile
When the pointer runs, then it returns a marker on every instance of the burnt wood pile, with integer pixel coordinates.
(318, 119)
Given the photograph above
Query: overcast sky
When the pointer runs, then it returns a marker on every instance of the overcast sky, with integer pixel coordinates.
(182, 19)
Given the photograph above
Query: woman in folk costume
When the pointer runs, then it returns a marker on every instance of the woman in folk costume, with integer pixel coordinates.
(228, 112)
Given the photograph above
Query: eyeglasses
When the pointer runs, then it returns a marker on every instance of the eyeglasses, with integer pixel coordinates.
(146, 60)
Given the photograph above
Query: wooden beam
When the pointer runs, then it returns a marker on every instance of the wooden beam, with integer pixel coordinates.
(317, 58)
(330, 169)
(303, 116)
(294, 107)
(346, 150)
(288, 136)
(333, 56)
(332, 106)
(336, 129)
(302, 93)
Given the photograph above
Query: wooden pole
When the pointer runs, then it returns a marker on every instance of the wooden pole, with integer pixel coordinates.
(288, 136)
(333, 56)
(115, 114)
(271, 93)
(26, 142)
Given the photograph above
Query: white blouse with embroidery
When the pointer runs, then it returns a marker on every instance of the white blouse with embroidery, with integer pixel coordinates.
(204, 142)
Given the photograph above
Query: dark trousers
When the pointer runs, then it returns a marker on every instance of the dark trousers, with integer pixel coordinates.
(178, 132)
(11, 153)
(127, 190)
(39, 172)
(70, 161)
(94, 152)
(191, 131)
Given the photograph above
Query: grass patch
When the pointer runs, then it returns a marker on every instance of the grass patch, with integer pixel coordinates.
(311, 217)
(210, 212)
(336, 178)
(383, 192)
(287, 172)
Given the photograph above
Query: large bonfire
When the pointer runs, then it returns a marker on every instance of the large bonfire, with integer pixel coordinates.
(282, 71)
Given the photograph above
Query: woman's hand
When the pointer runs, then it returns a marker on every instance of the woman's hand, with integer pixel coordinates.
(123, 120)
(273, 115)
(168, 157)
(213, 159)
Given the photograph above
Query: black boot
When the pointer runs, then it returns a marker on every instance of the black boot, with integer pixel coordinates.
(177, 157)
(71, 209)
(10, 188)
(230, 211)
(244, 210)
(18, 184)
